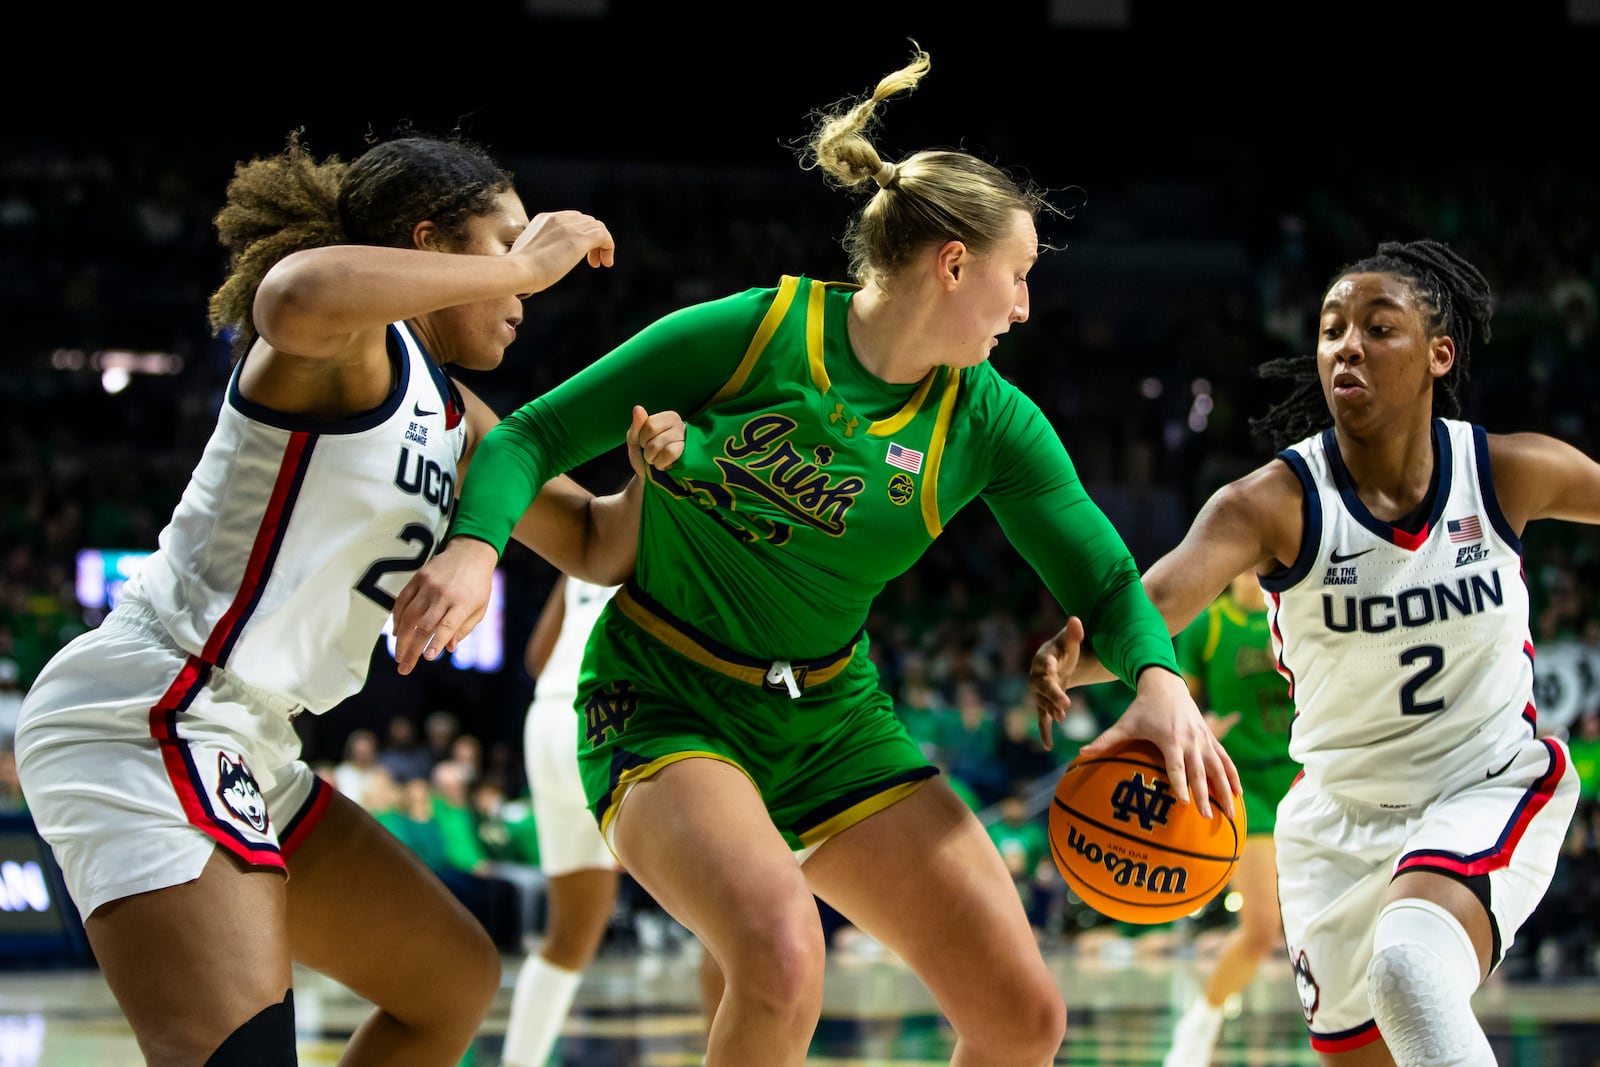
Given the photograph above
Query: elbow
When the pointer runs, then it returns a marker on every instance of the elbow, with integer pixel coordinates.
(289, 297)
(608, 570)
(1161, 596)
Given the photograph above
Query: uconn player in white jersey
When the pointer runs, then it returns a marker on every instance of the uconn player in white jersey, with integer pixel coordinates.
(1427, 823)
(580, 870)
(157, 752)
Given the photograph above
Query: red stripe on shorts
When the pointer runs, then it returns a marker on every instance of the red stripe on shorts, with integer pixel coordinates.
(1348, 1041)
(1537, 797)
(175, 756)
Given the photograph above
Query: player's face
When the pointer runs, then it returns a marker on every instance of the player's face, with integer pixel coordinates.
(475, 336)
(1374, 357)
(992, 295)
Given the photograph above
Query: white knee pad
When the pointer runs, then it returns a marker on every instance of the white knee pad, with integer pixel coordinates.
(1420, 982)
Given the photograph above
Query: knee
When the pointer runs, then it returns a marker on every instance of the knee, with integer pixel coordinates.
(1030, 1029)
(265, 1040)
(1261, 942)
(1041, 1023)
(481, 970)
(473, 963)
(779, 964)
(1420, 980)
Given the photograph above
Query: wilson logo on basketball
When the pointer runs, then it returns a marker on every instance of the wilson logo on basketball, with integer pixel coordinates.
(1125, 872)
(1129, 847)
(1150, 803)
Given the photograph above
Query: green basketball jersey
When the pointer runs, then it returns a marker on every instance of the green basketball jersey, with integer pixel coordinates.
(807, 483)
(1229, 650)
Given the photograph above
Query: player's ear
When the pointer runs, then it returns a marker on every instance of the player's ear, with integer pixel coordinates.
(427, 237)
(948, 261)
(1441, 355)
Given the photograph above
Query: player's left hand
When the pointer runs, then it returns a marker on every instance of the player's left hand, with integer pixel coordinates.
(656, 440)
(1163, 711)
(1051, 673)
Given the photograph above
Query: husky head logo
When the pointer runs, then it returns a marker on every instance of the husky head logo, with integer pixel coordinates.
(1306, 985)
(239, 792)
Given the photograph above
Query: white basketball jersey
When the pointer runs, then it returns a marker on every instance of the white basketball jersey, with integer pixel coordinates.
(582, 603)
(1409, 656)
(282, 559)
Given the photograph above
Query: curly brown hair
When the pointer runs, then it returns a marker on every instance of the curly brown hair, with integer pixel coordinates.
(282, 204)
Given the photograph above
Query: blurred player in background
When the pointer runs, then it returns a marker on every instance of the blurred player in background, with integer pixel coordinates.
(580, 872)
(1226, 657)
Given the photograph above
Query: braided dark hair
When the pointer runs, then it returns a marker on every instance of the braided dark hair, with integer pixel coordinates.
(1457, 300)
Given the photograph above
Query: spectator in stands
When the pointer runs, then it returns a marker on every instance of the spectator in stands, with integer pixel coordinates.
(360, 758)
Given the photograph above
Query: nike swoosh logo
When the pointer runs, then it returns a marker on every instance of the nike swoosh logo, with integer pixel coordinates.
(1336, 558)
(1502, 770)
(416, 409)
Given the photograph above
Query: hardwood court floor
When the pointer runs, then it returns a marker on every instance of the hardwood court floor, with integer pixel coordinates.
(641, 1010)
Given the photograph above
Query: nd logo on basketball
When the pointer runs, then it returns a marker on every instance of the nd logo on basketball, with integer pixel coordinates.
(1149, 803)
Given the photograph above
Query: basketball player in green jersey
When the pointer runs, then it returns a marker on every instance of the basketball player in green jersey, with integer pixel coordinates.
(1226, 657)
(732, 719)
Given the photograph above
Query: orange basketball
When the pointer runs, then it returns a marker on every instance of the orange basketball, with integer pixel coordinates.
(1128, 848)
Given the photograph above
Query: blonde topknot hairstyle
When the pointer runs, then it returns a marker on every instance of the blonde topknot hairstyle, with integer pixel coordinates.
(931, 196)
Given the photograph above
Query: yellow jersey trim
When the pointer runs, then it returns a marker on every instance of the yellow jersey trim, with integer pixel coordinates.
(787, 288)
(930, 478)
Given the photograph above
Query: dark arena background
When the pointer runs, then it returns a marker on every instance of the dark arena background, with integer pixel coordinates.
(1217, 163)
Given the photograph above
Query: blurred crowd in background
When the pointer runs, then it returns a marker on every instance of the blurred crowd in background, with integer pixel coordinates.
(1148, 321)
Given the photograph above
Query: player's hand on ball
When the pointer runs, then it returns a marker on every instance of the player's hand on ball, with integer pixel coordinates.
(1163, 711)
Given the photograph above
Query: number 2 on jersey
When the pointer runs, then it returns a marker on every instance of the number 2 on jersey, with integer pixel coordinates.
(415, 534)
(1432, 659)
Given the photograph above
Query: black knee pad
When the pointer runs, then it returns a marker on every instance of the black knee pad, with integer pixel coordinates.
(266, 1040)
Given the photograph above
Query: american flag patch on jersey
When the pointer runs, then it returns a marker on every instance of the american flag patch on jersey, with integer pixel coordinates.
(1468, 529)
(907, 459)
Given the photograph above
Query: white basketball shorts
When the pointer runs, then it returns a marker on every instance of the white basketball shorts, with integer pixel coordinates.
(137, 759)
(569, 837)
(1498, 828)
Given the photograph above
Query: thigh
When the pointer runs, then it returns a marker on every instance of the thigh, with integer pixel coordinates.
(130, 776)
(696, 837)
(364, 910)
(1504, 831)
(963, 930)
(1334, 866)
(192, 962)
(1256, 879)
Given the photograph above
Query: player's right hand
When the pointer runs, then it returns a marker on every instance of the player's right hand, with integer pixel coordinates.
(1164, 711)
(443, 601)
(556, 241)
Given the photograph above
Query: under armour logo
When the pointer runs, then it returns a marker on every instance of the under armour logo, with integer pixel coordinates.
(1151, 803)
(839, 416)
